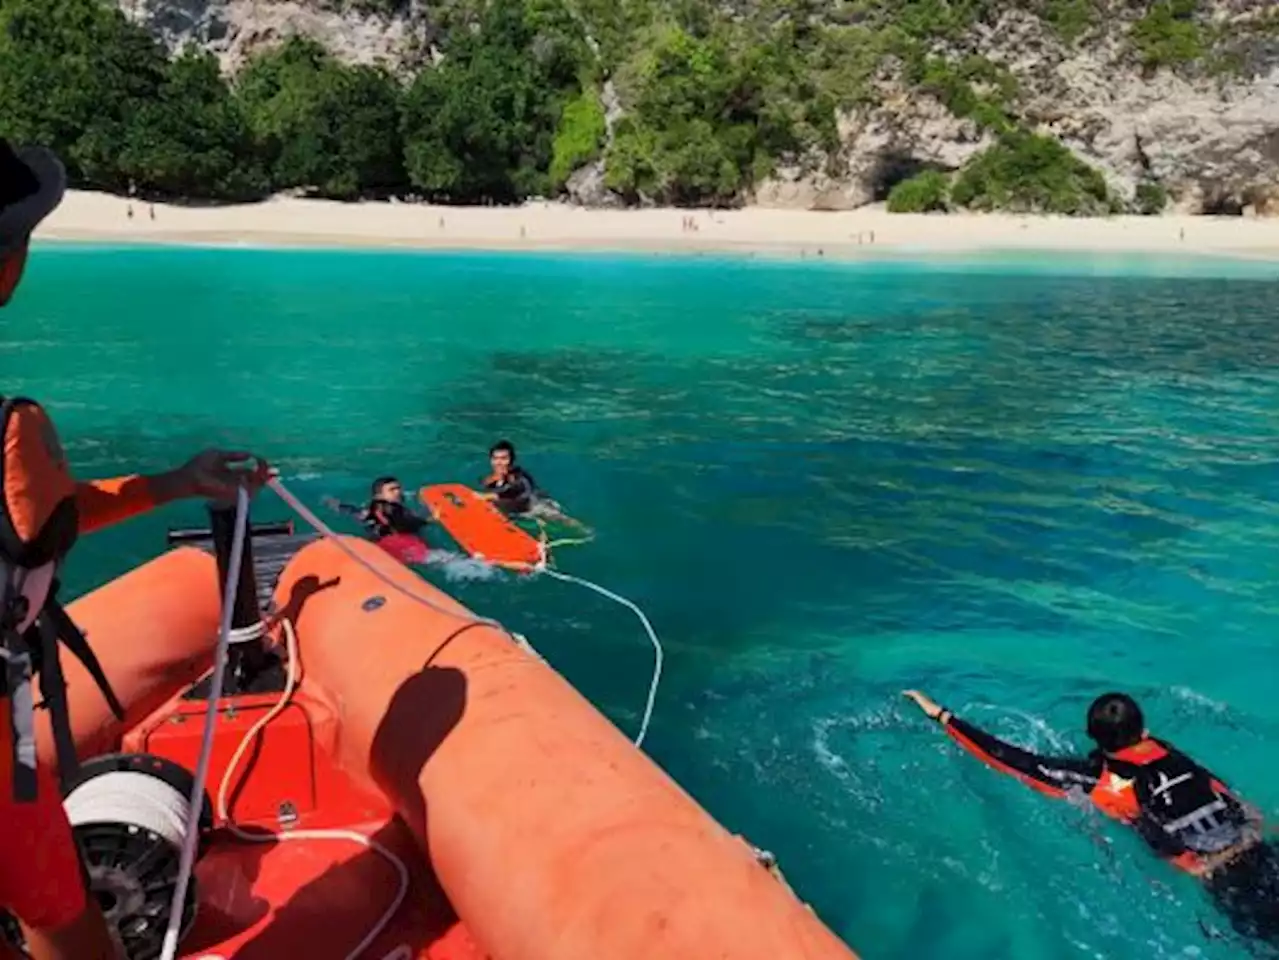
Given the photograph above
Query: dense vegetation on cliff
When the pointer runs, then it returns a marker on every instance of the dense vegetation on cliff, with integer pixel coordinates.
(682, 101)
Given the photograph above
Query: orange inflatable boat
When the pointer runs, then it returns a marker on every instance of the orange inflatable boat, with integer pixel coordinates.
(403, 746)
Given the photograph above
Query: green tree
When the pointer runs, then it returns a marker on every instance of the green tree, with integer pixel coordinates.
(482, 125)
(71, 73)
(710, 115)
(323, 126)
(954, 84)
(1150, 198)
(191, 140)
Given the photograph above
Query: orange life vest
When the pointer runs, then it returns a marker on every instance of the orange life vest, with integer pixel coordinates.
(12, 262)
(1177, 805)
(38, 526)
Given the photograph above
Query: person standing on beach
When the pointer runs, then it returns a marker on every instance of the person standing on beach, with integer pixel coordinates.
(42, 881)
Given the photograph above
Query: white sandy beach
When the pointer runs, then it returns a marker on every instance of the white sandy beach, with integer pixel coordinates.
(551, 226)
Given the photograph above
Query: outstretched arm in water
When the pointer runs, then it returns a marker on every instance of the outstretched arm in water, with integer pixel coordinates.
(350, 509)
(1053, 776)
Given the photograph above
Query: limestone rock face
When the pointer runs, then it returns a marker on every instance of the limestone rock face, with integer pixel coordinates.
(1210, 142)
(233, 29)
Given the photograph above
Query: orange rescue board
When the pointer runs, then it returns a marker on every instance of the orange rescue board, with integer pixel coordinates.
(479, 527)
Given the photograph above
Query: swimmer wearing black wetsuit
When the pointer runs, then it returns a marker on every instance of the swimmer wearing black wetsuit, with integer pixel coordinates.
(1185, 813)
(385, 514)
(513, 490)
(509, 486)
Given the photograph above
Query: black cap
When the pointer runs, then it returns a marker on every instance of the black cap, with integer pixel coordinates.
(21, 207)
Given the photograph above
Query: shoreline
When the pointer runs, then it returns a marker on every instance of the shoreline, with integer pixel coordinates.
(868, 233)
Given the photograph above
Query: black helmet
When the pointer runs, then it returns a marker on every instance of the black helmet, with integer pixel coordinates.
(1115, 721)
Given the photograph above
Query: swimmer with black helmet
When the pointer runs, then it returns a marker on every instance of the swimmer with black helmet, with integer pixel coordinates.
(1185, 814)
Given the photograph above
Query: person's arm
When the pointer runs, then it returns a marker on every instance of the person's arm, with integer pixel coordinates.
(350, 509)
(213, 473)
(101, 503)
(1052, 776)
(520, 488)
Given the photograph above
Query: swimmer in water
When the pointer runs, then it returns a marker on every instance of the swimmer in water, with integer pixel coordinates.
(385, 514)
(513, 490)
(1185, 813)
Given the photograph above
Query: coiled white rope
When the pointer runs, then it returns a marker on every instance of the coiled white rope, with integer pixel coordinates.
(542, 567)
(169, 947)
(131, 797)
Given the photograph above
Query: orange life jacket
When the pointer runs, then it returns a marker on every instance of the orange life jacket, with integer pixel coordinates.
(12, 262)
(38, 526)
(1177, 805)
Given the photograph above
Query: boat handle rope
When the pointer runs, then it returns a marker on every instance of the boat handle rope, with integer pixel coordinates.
(186, 863)
(542, 566)
(169, 947)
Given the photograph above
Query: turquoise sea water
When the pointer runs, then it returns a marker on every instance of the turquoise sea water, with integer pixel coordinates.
(1012, 483)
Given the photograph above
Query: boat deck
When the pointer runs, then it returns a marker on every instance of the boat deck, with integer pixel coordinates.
(315, 897)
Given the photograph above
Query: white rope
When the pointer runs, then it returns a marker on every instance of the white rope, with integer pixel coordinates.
(541, 567)
(255, 631)
(291, 643)
(134, 798)
(648, 629)
(323, 529)
(169, 948)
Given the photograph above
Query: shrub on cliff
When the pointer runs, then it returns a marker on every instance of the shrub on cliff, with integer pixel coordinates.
(579, 136)
(926, 192)
(974, 88)
(1168, 35)
(1150, 198)
(1028, 173)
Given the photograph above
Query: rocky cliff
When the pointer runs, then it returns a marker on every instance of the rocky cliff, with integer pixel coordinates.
(235, 29)
(1199, 121)
(1209, 140)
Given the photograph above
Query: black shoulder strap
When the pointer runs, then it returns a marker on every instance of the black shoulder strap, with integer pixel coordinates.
(15, 685)
(74, 640)
(53, 692)
(56, 627)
